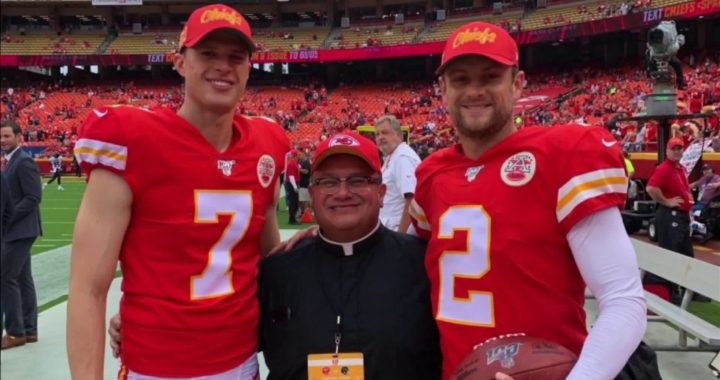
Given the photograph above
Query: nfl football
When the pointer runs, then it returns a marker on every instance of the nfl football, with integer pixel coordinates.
(520, 356)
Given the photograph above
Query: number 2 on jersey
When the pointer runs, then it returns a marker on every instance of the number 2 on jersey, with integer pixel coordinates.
(216, 279)
(472, 262)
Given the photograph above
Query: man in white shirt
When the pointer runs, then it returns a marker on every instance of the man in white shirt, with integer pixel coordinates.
(398, 172)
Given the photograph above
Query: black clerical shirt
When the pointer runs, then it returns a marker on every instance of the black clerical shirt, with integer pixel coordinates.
(378, 286)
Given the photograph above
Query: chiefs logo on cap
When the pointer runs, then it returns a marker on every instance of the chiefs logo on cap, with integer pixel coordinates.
(480, 36)
(215, 14)
(344, 140)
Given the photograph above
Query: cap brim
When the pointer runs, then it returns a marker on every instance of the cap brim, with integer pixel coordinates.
(250, 44)
(342, 149)
(495, 58)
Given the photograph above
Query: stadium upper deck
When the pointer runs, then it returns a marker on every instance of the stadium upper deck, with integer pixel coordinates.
(74, 27)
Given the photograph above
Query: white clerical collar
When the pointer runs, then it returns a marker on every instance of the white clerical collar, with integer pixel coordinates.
(348, 247)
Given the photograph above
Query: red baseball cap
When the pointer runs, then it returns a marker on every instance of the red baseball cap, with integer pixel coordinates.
(348, 143)
(212, 17)
(480, 38)
(673, 142)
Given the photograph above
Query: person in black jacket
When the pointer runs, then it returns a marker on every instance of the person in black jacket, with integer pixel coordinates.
(19, 300)
(356, 289)
(6, 208)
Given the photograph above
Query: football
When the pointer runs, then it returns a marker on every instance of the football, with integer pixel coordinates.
(520, 356)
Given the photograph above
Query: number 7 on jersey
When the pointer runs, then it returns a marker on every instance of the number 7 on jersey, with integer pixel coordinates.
(216, 279)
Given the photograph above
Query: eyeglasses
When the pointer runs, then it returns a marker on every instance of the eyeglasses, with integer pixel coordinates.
(355, 184)
(676, 148)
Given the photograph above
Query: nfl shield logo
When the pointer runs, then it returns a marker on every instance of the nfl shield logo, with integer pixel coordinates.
(226, 166)
(504, 354)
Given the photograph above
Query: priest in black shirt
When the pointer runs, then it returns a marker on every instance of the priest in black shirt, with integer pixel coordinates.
(356, 297)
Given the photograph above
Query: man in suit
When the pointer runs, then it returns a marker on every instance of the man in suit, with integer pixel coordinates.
(19, 301)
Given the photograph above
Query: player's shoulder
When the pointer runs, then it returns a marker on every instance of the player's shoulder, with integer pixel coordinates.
(436, 162)
(124, 117)
(259, 122)
(265, 128)
(572, 138)
(124, 111)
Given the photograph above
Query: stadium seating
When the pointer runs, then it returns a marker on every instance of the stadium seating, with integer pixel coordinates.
(42, 44)
(572, 13)
(441, 30)
(143, 43)
(290, 38)
(378, 34)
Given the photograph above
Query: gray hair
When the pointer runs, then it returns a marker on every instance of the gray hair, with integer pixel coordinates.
(392, 120)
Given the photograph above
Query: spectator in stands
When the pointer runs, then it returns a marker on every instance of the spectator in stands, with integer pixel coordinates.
(468, 199)
(190, 227)
(398, 172)
(708, 187)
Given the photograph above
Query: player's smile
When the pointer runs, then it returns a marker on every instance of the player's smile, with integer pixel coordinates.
(221, 84)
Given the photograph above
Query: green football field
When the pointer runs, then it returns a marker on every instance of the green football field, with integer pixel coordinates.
(59, 209)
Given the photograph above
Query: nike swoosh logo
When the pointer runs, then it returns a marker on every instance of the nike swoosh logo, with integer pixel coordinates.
(100, 114)
(608, 144)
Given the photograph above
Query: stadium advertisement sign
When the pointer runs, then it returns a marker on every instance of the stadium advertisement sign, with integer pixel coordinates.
(689, 9)
(355, 54)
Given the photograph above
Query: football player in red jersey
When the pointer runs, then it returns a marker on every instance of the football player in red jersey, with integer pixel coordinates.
(186, 202)
(533, 216)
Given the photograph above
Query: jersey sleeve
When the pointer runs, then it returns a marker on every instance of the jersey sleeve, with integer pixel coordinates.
(102, 142)
(594, 176)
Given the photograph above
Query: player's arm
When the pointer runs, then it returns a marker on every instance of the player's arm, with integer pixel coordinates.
(99, 230)
(608, 264)
(270, 235)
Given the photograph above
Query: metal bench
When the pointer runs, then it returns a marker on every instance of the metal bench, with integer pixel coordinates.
(695, 276)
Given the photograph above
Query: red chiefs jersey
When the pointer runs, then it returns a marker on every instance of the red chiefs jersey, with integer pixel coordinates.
(498, 257)
(189, 256)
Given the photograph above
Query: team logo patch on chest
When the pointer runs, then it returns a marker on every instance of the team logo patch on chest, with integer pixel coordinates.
(518, 169)
(265, 170)
(226, 167)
